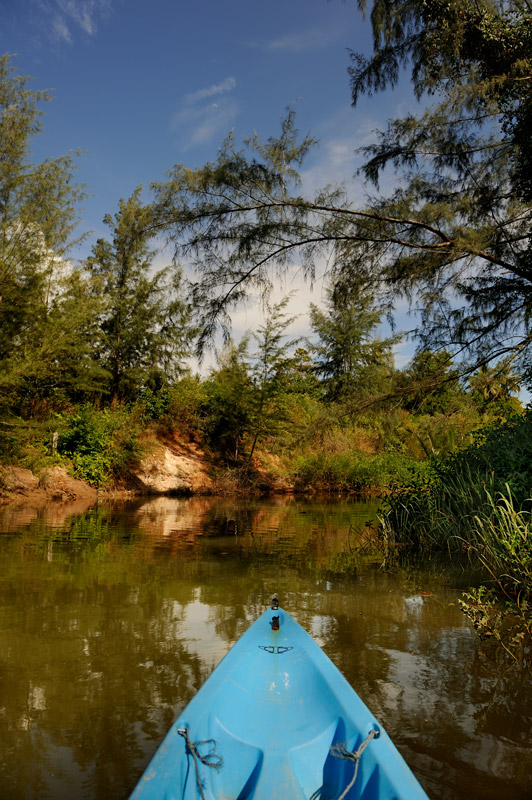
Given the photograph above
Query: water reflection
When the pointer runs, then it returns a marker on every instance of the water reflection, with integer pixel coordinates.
(111, 620)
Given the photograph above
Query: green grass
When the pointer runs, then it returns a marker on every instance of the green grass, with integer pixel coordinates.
(478, 501)
(353, 471)
(101, 445)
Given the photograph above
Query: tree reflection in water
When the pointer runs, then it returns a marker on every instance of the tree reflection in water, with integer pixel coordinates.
(111, 620)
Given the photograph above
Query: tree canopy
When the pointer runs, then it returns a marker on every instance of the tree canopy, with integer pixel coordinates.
(144, 323)
(464, 165)
(453, 235)
(350, 358)
(71, 333)
(45, 315)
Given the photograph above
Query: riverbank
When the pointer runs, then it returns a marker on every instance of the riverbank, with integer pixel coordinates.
(167, 473)
(169, 462)
(19, 485)
(168, 467)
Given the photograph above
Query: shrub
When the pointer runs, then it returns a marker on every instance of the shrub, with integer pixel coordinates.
(186, 406)
(353, 471)
(438, 512)
(101, 444)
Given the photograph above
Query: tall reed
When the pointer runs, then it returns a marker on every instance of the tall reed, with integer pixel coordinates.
(479, 501)
(503, 543)
(438, 514)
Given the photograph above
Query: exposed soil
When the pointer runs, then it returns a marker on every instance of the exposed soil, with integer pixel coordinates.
(170, 466)
(18, 485)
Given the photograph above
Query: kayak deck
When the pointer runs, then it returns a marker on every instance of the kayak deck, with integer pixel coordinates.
(273, 708)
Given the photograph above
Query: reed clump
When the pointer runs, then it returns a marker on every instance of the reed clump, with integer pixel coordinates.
(479, 502)
(503, 540)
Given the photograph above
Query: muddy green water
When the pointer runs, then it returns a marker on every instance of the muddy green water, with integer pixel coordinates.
(110, 621)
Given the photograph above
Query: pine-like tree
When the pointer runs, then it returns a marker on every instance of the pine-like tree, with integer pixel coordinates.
(453, 235)
(229, 401)
(350, 358)
(38, 217)
(145, 324)
(267, 372)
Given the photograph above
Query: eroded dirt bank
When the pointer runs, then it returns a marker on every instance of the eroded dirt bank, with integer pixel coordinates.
(19, 485)
(169, 467)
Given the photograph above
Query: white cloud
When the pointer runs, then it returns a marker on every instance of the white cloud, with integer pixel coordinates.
(227, 85)
(60, 31)
(69, 16)
(198, 122)
(197, 126)
(301, 41)
(335, 160)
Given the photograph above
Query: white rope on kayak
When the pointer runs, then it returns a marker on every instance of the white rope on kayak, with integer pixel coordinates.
(340, 751)
(210, 759)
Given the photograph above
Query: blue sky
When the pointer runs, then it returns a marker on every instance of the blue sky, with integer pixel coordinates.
(142, 85)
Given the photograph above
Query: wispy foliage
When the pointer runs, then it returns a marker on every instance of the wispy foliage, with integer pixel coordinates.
(43, 323)
(144, 325)
(452, 235)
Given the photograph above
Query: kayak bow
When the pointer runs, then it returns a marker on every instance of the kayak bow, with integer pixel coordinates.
(276, 720)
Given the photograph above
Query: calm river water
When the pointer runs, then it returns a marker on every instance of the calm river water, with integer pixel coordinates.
(110, 621)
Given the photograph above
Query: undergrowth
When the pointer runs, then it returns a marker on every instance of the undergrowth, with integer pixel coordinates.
(101, 445)
(478, 501)
(354, 471)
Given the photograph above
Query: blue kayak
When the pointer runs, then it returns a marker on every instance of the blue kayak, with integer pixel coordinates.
(276, 720)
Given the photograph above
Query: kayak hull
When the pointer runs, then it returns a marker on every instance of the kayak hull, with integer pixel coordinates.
(271, 710)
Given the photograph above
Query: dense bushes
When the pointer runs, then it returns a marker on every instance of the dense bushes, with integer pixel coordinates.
(437, 510)
(478, 501)
(101, 444)
(353, 471)
(319, 445)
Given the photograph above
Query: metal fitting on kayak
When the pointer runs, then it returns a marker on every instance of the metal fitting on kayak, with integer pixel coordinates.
(275, 604)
